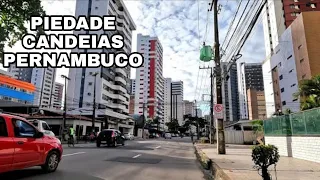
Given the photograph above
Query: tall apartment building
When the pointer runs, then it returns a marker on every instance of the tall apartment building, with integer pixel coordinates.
(131, 104)
(42, 78)
(167, 100)
(188, 108)
(132, 86)
(295, 58)
(278, 15)
(177, 101)
(57, 95)
(149, 78)
(112, 84)
(230, 93)
(249, 76)
(256, 104)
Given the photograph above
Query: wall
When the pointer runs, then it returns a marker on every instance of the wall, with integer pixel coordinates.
(307, 148)
(239, 137)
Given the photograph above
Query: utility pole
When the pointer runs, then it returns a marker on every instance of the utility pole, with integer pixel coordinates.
(65, 101)
(220, 128)
(197, 120)
(143, 122)
(94, 102)
(211, 104)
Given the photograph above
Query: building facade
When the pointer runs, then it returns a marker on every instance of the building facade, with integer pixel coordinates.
(132, 86)
(256, 104)
(177, 101)
(278, 15)
(249, 76)
(167, 100)
(149, 91)
(131, 105)
(57, 95)
(189, 108)
(15, 92)
(42, 78)
(112, 84)
(295, 59)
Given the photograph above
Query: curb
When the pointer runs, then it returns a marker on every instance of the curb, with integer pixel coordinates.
(207, 163)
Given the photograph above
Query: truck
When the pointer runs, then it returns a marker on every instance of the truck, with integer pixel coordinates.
(42, 126)
(22, 145)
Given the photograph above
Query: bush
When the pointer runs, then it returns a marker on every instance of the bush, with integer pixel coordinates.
(204, 140)
(264, 156)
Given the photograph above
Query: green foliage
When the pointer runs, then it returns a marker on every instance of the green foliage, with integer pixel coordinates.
(287, 111)
(13, 16)
(173, 125)
(257, 126)
(264, 156)
(309, 93)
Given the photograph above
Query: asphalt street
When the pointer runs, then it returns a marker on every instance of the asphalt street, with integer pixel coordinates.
(152, 159)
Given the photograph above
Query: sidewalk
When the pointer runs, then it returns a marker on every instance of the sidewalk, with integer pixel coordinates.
(237, 164)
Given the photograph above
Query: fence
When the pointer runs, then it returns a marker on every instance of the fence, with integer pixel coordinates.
(302, 123)
(239, 137)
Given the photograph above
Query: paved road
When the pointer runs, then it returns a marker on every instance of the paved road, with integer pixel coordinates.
(137, 160)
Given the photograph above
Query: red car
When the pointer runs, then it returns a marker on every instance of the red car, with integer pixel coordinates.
(22, 145)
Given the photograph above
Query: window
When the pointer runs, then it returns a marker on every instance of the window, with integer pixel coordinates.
(303, 76)
(295, 100)
(96, 7)
(281, 77)
(23, 129)
(301, 60)
(284, 103)
(291, 71)
(90, 83)
(3, 128)
(45, 126)
(289, 57)
(89, 94)
(282, 90)
(293, 84)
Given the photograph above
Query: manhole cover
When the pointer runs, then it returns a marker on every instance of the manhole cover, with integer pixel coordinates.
(135, 160)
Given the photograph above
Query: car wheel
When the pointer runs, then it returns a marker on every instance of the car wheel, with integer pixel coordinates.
(51, 163)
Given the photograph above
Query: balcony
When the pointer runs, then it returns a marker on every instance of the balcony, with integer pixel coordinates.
(120, 79)
(120, 97)
(120, 88)
(121, 71)
(122, 107)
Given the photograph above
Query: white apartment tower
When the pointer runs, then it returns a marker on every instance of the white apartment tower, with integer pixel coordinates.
(112, 84)
(149, 78)
(42, 78)
(167, 100)
(177, 101)
(56, 100)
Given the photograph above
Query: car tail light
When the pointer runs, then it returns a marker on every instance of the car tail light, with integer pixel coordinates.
(113, 135)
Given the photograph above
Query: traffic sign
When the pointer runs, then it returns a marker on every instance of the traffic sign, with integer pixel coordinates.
(218, 111)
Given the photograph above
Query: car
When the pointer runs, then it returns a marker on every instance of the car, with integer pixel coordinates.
(42, 126)
(22, 146)
(167, 136)
(129, 136)
(110, 137)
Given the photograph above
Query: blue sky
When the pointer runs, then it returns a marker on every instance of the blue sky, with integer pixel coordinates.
(182, 26)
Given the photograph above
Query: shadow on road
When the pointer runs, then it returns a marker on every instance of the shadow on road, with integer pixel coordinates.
(117, 148)
(37, 173)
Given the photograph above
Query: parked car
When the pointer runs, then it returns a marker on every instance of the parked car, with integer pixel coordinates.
(167, 136)
(110, 137)
(42, 126)
(129, 136)
(22, 145)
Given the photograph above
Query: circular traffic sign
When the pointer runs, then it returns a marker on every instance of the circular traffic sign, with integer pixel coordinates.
(218, 108)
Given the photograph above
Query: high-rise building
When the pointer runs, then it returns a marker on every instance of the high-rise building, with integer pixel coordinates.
(149, 78)
(167, 100)
(230, 93)
(256, 104)
(131, 104)
(198, 112)
(249, 76)
(56, 100)
(278, 15)
(188, 108)
(112, 84)
(42, 78)
(132, 86)
(177, 101)
(295, 58)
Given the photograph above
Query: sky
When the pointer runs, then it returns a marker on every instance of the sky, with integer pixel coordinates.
(181, 26)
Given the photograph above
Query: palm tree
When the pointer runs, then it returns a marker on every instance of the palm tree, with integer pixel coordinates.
(309, 93)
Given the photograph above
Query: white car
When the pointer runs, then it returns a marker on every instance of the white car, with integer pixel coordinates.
(167, 136)
(129, 136)
(43, 127)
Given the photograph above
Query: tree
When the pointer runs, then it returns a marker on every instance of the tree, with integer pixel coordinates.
(173, 125)
(156, 121)
(287, 111)
(258, 129)
(13, 16)
(309, 93)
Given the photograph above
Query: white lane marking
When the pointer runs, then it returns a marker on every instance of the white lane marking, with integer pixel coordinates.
(136, 156)
(158, 147)
(73, 154)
